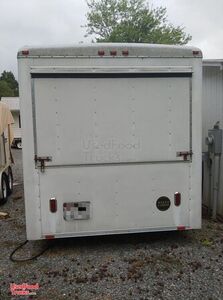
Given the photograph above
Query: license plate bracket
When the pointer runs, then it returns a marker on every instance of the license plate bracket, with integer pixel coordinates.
(76, 210)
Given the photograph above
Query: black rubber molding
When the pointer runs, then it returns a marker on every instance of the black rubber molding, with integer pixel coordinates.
(112, 75)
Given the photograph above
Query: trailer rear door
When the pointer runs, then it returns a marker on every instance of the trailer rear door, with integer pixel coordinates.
(108, 116)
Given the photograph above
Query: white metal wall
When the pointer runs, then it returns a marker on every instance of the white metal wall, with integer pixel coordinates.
(212, 111)
(31, 175)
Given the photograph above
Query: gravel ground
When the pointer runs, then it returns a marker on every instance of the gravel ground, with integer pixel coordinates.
(173, 265)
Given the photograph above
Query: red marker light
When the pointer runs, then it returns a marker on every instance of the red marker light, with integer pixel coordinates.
(196, 52)
(181, 227)
(177, 199)
(125, 52)
(25, 52)
(113, 53)
(101, 52)
(49, 237)
(53, 205)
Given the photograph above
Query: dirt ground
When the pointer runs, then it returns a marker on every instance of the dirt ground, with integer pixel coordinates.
(168, 265)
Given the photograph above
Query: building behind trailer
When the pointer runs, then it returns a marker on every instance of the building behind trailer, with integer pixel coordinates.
(212, 115)
(14, 106)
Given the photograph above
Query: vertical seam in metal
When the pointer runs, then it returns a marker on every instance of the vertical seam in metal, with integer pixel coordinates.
(34, 116)
(191, 157)
(191, 99)
(35, 146)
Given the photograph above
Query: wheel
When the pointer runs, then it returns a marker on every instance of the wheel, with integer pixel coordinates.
(10, 181)
(4, 189)
(19, 145)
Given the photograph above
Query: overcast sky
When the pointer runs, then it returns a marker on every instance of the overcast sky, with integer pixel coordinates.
(41, 22)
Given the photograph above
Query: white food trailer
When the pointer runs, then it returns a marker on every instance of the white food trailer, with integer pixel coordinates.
(111, 139)
(6, 160)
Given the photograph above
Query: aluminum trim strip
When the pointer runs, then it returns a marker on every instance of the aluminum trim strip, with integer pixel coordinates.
(109, 232)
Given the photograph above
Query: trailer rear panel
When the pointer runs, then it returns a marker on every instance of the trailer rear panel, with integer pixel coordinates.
(113, 144)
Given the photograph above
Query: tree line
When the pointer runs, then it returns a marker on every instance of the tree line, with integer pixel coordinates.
(8, 85)
(123, 21)
(132, 21)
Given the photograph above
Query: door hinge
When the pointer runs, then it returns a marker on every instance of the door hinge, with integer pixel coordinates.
(187, 155)
(41, 160)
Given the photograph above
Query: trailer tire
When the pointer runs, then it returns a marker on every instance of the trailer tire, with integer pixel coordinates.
(4, 189)
(10, 181)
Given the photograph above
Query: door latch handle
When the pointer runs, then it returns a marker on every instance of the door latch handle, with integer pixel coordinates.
(185, 154)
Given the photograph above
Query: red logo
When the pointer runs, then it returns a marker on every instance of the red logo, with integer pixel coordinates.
(23, 289)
